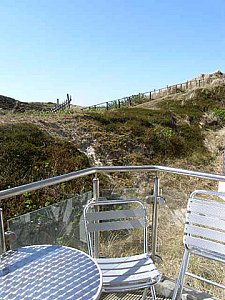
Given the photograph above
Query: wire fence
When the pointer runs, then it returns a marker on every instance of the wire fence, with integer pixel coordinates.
(62, 106)
(156, 93)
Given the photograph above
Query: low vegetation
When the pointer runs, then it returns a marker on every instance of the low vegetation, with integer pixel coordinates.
(196, 102)
(29, 154)
(142, 136)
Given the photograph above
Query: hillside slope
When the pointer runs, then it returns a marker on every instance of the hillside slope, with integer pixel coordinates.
(185, 130)
(187, 127)
(212, 91)
(9, 104)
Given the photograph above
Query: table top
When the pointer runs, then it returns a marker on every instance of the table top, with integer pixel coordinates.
(49, 272)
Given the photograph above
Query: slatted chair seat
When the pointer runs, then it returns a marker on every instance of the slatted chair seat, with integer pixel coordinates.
(122, 273)
(204, 234)
(127, 271)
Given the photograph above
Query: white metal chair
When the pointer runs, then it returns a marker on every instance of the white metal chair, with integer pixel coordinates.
(128, 273)
(204, 234)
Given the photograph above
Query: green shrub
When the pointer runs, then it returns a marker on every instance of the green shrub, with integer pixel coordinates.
(202, 100)
(29, 154)
(140, 136)
(219, 112)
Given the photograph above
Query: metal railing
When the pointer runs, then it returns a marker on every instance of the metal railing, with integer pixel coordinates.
(2, 234)
(155, 169)
(4, 194)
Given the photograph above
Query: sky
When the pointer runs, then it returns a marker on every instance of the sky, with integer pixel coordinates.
(101, 50)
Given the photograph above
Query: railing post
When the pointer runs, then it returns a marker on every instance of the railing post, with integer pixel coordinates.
(96, 188)
(155, 216)
(2, 232)
(96, 196)
(223, 167)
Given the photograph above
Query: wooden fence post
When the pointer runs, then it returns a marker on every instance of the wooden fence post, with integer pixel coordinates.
(129, 101)
(119, 103)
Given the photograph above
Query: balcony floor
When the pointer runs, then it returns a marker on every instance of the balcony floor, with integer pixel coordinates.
(128, 296)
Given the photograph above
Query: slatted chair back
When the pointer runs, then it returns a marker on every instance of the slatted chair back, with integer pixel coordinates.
(205, 228)
(113, 215)
(204, 234)
(124, 273)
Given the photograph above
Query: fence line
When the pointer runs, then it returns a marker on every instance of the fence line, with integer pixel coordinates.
(63, 105)
(154, 94)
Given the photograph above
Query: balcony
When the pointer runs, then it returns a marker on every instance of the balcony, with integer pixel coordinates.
(165, 191)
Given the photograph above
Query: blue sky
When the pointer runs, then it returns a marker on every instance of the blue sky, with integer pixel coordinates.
(99, 50)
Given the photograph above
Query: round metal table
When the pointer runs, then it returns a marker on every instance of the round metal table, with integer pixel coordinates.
(49, 272)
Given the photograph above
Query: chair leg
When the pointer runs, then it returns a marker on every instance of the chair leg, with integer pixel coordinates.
(144, 295)
(153, 293)
(180, 279)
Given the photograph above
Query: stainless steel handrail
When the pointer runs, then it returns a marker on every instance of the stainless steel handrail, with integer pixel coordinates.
(4, 194)
(108, 169)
